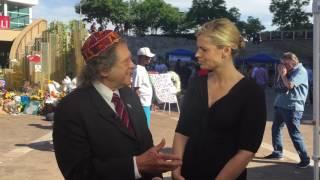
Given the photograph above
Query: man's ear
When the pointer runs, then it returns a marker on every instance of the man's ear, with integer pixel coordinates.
(104, 73)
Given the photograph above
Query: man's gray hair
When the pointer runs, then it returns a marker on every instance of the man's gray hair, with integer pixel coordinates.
(291, 56)
(104, 62)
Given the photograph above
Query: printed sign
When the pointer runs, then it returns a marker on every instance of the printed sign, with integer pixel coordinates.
(37, 68)
(163, 88)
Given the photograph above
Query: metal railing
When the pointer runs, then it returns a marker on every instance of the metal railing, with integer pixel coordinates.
(287, 35)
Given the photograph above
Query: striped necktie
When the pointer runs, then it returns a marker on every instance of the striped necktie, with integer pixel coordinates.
(121, 110)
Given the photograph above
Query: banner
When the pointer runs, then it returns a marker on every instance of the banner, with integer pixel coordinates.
(164, 90)
(34, 58)
(4, 22)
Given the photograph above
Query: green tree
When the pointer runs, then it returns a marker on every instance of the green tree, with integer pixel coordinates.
(289, 14)
(206, 10)
(234, 14)
(119, 12)
(104, 11)
(152, 9)
(171, 20)
(94, 10)
(154, 15)
(253, 25)
(138, 17)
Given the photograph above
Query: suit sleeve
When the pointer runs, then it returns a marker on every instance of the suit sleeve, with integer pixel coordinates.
(73, 153)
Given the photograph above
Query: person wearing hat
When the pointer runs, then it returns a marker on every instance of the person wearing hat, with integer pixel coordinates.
(141, 82)
(100, 130)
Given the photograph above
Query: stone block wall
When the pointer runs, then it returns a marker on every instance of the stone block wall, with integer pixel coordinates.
(159, 45)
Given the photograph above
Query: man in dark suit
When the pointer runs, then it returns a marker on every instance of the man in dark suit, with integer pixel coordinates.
(100, 130)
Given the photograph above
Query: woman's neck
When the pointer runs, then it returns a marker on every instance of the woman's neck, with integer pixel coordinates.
(225, 74)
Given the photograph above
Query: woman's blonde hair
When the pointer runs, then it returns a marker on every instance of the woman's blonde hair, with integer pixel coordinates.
(223, 33)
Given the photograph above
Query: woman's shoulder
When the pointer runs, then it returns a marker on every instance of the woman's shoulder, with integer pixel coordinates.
(249, 85)
(199, 78)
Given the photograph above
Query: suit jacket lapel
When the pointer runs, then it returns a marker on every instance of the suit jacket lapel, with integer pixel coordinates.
(131, 109)
(108, 114)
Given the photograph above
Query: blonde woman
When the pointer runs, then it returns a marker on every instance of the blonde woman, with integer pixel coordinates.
(224, 114)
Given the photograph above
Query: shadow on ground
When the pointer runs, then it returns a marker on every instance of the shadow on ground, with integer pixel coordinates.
(40, 126)
(278, 170)
(40, 146)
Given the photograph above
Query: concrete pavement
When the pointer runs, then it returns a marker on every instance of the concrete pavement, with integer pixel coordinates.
(27, 152)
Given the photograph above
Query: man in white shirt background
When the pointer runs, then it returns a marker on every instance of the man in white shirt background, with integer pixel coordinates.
(141, 81)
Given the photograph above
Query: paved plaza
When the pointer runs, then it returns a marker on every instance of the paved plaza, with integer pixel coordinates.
(26, 150)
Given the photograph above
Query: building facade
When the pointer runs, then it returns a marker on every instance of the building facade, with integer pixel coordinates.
(19, 11)
(15, 15)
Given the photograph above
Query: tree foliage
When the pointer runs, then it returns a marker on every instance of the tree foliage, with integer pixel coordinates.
(253, 25)
(205, 10)
(144, 16)
(289, 14)
(234, 14)
(104, 11)
(171, 21)
(147, 14)
(141, 15)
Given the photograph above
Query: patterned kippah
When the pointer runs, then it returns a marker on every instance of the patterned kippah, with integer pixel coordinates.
(97, 43)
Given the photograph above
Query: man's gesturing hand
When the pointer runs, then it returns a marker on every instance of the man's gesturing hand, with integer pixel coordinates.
(153, 161)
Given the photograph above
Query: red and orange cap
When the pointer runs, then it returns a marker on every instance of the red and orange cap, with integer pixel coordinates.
(98, 43)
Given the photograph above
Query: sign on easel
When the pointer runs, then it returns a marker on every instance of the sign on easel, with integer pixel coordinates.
(164, 89)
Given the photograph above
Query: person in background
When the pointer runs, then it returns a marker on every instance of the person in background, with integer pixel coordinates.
(26, 88)
(93, 27)
(261, 77)
(141, 81)
(161, 67)
(222, 121)
(100, 130)
(292, 91)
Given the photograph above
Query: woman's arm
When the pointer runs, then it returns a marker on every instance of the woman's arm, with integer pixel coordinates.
(179, 143)
(235, 165)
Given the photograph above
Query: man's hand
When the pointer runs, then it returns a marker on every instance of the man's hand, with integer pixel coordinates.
(282, 70)
(153, 161)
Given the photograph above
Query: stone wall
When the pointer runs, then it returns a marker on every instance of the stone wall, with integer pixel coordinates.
(159, 45)
(162, 45)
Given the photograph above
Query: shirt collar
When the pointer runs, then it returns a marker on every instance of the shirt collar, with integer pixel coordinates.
(297, 66)
(104, 90)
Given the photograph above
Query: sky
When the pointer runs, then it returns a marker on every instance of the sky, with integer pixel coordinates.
(63, 10)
